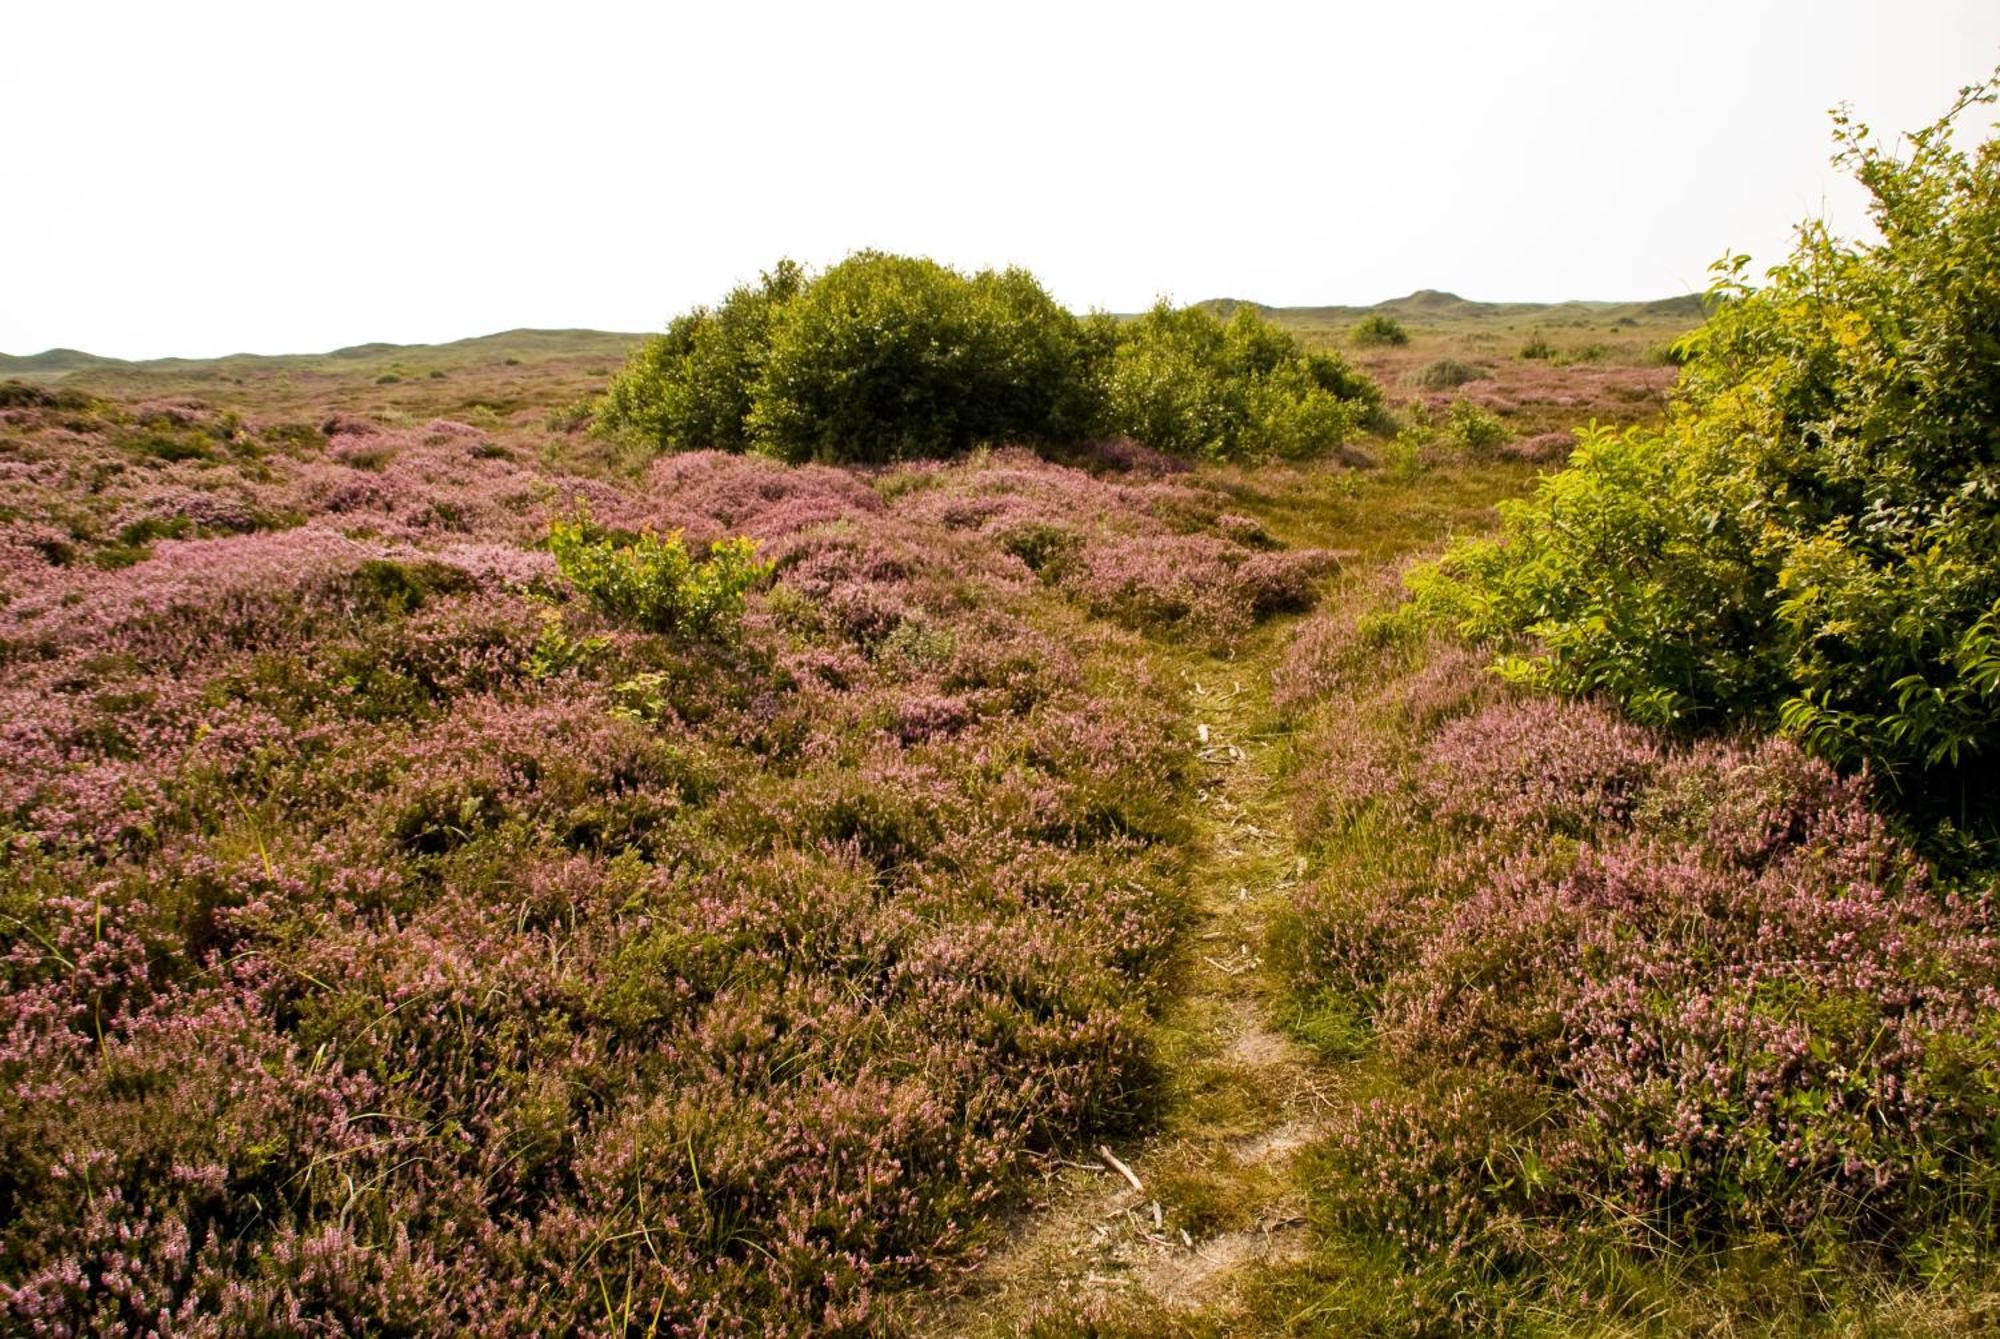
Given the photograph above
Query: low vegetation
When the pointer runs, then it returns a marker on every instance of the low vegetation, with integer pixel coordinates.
(1658, 1032)
(425, 909)
(1445, 374)
(1182, 381)
(1661, 1012)
(780, 843)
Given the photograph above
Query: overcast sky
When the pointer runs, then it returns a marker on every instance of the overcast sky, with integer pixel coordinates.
(203, 178)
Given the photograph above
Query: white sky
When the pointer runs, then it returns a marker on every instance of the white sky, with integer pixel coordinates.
(204, 178)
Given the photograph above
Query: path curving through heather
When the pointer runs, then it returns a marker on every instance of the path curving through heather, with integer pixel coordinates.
(1216, 1192)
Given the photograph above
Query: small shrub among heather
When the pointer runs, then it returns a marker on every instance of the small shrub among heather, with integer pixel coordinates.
(1444, 374)
(1185, 381)
(1471, 429)
(892, 357)
(879, 358)
(1379, 330)
(652, 580)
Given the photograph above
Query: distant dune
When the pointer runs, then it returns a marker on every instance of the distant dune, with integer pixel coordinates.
(1430, 304)
(1426, 304)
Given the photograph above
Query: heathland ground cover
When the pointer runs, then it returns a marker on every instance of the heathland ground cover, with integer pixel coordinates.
(464, 868)
(414, 923)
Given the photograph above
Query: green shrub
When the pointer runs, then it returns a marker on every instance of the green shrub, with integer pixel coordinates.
(1472, 429)
(652, 580)
(880, 358)
(1445, 374)
(885, 358)
(570, 417)
(1809, 541)
(893, 357)
(1405, 453)
(691, 388)
(385, 587)
(1184, 381)
(170, 444)
(1538, 348)
(1376, 330)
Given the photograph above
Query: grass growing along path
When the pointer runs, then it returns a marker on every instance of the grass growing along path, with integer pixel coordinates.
(1220, 1196)
(1215, 1191)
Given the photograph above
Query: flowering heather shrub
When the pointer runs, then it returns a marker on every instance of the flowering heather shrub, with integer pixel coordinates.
(1160, 554)
(1541, 449)
(1202, 582)
(1392, 1173)
(394, 939)
(1677, 997)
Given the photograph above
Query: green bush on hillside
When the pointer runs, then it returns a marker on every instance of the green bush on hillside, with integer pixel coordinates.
(889, 357)
(1813, 540)
(1377, 330)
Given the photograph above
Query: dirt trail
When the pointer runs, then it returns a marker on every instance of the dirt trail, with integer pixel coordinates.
(1218, 1192)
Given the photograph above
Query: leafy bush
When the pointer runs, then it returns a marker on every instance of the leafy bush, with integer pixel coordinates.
(653, 580)
(1471, 429)
(892, 357)
(880, 358)
(691, 388)
(1808, 542)
(1182, 380)
(1538, 348)
(1668, 353)
(889, 357)
(1445, 374)
(1377, 330)
(1592, 352)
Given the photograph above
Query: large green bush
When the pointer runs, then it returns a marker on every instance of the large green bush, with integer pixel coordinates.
(1183, 380)
(889, 357)
(691, 387)
(879, 358)
(1813, 539)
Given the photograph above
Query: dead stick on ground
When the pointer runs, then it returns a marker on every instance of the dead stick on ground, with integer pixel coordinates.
(1120, 1168)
